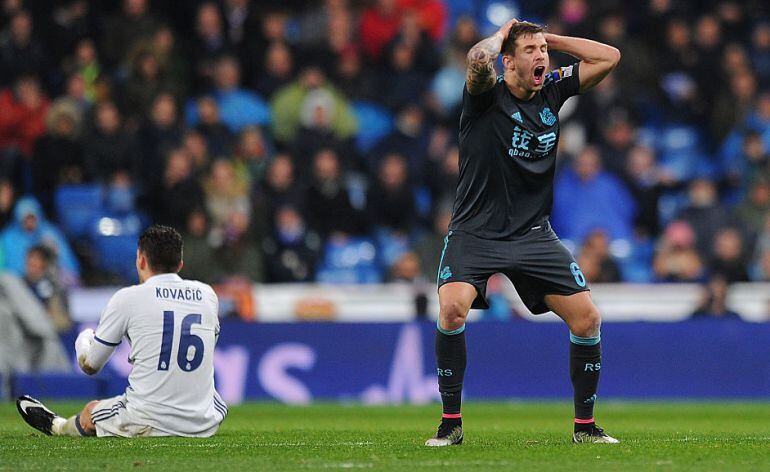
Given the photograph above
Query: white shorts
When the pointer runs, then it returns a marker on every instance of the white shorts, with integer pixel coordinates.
(111, 418)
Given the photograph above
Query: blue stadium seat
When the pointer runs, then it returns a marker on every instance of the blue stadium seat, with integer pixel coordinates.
(636, 266)
(77, 207)
(680, 150)
(349, 261)
(375, 122)
(390, 247)
(114, 242)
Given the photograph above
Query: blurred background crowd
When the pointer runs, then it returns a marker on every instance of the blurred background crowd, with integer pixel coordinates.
(317, 140)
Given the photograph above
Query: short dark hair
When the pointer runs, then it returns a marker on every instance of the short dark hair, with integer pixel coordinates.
(162, 245)
(521, 28)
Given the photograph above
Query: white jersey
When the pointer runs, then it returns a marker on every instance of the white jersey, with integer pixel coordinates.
(172, 327)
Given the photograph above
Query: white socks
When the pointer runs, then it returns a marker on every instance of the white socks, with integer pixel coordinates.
(65, 427)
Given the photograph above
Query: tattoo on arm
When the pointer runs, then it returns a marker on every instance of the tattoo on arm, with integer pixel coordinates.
(480, 74)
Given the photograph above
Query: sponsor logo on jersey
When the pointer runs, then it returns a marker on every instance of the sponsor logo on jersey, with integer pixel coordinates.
(547, 117)
(527, 145)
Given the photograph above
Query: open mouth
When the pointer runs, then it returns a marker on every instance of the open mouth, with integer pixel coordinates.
(539, 74)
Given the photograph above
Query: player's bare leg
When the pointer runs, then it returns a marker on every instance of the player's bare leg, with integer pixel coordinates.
(455, 300)
(584, 322)
(44, 420)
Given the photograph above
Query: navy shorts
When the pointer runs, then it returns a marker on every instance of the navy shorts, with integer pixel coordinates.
(537, 263)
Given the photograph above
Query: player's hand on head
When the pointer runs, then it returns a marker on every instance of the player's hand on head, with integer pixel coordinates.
(506, 28)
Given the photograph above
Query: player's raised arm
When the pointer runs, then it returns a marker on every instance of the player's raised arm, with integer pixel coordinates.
(597, 59)
(480, 74)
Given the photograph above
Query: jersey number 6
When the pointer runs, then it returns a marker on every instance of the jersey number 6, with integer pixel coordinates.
(187, 340)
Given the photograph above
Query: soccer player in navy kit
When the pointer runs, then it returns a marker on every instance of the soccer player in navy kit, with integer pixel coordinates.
(509, 133)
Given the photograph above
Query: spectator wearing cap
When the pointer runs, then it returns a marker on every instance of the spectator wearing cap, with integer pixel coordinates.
(30, 228)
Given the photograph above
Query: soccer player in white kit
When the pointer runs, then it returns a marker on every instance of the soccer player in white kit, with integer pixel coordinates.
(172, 327)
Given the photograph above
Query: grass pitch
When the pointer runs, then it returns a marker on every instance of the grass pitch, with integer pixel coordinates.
(498, 436)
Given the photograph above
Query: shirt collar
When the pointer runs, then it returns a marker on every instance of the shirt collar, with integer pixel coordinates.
(160, 278)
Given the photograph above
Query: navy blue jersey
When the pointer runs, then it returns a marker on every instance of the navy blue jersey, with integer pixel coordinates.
(508, 157)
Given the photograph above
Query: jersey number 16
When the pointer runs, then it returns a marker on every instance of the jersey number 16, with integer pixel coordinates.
(187, 340)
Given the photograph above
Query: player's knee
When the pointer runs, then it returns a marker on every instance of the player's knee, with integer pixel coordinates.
(86, 421)
(587, 324)
(453, 314)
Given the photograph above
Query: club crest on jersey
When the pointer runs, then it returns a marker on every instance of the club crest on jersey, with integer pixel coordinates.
(446, 272)
(547, 117)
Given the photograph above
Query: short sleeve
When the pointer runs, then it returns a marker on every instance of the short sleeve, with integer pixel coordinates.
(561, 84)
(114, 322)
(475, 105)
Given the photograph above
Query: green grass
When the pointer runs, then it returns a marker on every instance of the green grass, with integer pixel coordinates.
(498, 436)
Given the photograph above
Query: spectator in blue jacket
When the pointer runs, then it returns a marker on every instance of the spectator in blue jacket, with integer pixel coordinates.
(605, 202)
(238, 107)
(30, 228)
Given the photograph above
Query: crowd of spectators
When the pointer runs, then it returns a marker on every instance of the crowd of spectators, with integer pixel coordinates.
(271, 134)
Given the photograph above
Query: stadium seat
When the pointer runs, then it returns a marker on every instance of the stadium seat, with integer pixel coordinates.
(680, 150)
(77, 207)
(390, 247)
(349, 261)
(636, 266)
(375, 122)
(114, 242)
